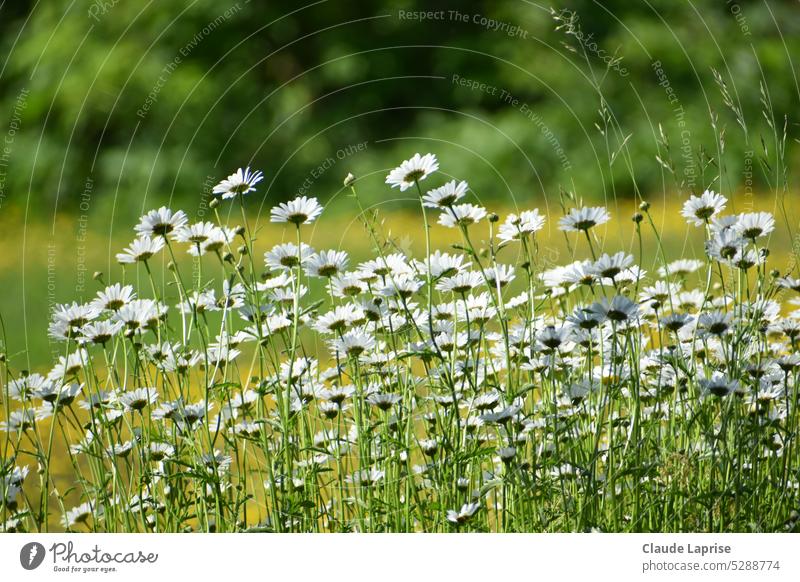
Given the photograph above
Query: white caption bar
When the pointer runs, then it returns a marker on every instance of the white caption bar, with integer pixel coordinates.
(466, 557)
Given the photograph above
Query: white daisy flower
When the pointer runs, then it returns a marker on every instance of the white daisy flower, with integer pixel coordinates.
(412, 171)
(620, 309)
(81, 514)
(698, 210)
(462, 516)
(583, 219)
(138, 398)
(680, 268)
(460, 283)
(301, 210)
(287, 256)
(609, 266)
(445, 196)
(141, 249)
(353, 343)
(441, 264)
(326, 264)
(240, 182)
(339, 319)
(719, 385)
(161, 222)
(113, 297)
(196, 233)
(518, 227)
(753, 225)
(462, 215)
(100, 332)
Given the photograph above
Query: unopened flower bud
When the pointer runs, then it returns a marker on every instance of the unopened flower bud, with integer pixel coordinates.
(239, 231)
(493, 217)
(637, 217)
(242, 250)
(349, 180)
(214, 203)
(644, 206)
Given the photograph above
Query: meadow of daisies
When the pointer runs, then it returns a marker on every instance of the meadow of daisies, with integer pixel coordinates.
(470, 388)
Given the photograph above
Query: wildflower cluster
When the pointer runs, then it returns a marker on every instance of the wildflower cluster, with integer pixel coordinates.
(467, 389)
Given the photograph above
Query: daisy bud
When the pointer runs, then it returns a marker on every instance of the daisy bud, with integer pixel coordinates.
(242, 250)
(228, 257)
(239, 231)
(171, 266)
(2, 358)
(349, 180)
(493, 217)
(637, 218)
(644, 206)
(98, 276)
(214, 203)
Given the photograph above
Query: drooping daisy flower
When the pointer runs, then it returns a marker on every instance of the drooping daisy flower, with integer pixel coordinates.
(518, 227)
(301, 210)
(141, 249)
(583, 219)
(462, 215)
(412, 171)
(698, 210)
(445, 196)
(161, 222)
(240, 182)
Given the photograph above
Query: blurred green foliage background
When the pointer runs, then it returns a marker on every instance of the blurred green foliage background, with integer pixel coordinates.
(152, 99)
(109, 108)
